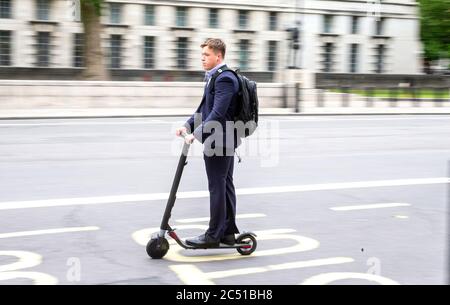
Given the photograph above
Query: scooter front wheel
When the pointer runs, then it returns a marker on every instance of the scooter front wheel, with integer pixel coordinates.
(157, 247)
(250, 244)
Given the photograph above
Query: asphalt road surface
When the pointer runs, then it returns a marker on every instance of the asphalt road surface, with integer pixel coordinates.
(333, 200)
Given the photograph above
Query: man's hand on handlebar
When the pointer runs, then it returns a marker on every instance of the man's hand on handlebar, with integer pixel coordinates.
(182, 132)
(179, 131)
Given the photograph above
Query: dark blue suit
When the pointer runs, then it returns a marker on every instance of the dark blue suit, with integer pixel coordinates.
(218, 106)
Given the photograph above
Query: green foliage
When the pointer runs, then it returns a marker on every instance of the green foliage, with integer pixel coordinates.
(96, 3)
(435, 28)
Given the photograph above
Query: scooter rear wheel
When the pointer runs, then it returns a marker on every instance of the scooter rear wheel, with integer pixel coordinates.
(248, 239)
(157, 247)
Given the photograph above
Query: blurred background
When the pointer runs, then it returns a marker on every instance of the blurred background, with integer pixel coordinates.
(154, 40)
(336, 50)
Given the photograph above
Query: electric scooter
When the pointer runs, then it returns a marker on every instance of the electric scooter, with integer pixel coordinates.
(158, 246)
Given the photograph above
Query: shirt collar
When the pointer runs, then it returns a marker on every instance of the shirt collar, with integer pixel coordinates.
(210, 73)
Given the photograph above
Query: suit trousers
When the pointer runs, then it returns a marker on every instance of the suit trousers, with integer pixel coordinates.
(222, 204)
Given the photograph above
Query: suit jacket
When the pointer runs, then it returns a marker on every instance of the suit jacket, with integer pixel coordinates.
(217, 107)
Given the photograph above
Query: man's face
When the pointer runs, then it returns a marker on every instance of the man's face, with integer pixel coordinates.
(210, 59)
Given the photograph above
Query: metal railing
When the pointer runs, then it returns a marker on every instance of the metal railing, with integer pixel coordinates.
(345, 96)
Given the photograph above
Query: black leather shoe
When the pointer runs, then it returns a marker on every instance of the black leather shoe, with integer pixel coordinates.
(202, 241)
(228, 239)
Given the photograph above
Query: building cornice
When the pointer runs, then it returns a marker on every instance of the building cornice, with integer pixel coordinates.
(312, 8)
(412, 4)
(243, 4)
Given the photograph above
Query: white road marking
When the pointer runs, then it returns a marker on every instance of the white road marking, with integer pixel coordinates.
(341, 185)
(201, 219)
(141, 237)
(48, 231)
(318, 118)
(302, 244)
(285, 266)
(192, 275)
(401, 216)
(175, 254)
(367, 118)
(39, 278)
(11, 205)
(83, 123)
(25, 260)
(369, 206)
(326, 278)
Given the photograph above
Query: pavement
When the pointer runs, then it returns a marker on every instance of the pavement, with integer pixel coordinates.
(333, 200)
(71, 113)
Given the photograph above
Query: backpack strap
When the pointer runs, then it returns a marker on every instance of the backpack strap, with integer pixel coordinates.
(212, 82)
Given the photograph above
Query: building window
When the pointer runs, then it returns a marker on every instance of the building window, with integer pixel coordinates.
(181, 16)
(379, 26)
(5, 8)
(273, 21)
(43, 49)
(243, 19)
(327, 23)
(149, 52)
(149, 15)
(43, 10)
(355, 24)
(115, 13)
(328, 57)
(5, 48)
(272, 56)
(182, 53)
(213, 18)
(379, 64)
(78, 50)
(243, 54)
(354, 48)
(116, 51)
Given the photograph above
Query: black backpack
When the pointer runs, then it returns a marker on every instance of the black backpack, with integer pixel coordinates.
(247, 110)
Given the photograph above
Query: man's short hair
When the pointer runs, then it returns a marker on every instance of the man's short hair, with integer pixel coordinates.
(216, 44)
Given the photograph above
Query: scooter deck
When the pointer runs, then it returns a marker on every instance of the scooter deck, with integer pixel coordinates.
(220, 246)
(183, 244)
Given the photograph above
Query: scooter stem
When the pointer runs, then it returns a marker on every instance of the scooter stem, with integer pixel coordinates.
(173, 191)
